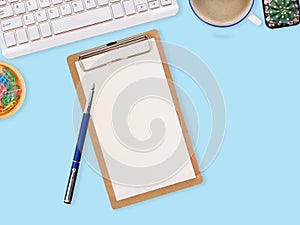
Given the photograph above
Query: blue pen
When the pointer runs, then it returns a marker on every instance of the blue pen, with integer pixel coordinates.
(78, 149)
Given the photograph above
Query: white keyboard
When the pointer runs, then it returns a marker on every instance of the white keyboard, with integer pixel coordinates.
(32, 25)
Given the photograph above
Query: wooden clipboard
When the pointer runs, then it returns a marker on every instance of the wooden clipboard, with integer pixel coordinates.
(96, 144)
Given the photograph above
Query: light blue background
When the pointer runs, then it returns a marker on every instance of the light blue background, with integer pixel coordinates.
(255, 179)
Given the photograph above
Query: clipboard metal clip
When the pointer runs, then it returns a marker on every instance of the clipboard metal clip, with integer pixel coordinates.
(114, 52)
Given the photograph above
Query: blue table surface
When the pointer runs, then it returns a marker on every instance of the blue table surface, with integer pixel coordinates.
(253, 180)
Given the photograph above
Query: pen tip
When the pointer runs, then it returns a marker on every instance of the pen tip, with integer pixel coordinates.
(93, 86)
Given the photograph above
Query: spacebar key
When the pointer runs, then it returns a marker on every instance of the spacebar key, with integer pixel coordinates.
(77, 21)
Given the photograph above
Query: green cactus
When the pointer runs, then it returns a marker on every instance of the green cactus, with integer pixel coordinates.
(282, 11)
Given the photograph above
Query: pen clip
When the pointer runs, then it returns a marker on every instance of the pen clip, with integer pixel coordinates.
(71, 184)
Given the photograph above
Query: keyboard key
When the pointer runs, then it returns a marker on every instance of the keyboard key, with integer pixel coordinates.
(77, 6)
(19, 8)
(21, 36)
(55, 2)
(12, 23)
(65, 9)
(45, 30)
(53, 13)
(103, 2)
(117, 10)
(31, 5)
(142, 8)
(2, 2)
(29, 19)
(154, 5)
(90, 4)
(10, 39)
(138, 2)
(33, 33)
(6, 11)
(41, 16)
(44, 3)
(166, 2)
(81, 20)
(129, 7)
(12, 1)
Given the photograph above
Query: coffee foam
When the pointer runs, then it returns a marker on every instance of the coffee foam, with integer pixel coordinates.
(221, 12)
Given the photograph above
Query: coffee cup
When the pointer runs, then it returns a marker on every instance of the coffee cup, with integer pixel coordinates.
(224, 13)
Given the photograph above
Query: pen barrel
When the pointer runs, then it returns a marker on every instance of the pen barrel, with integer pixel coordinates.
(81, 137)
(76, 159)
